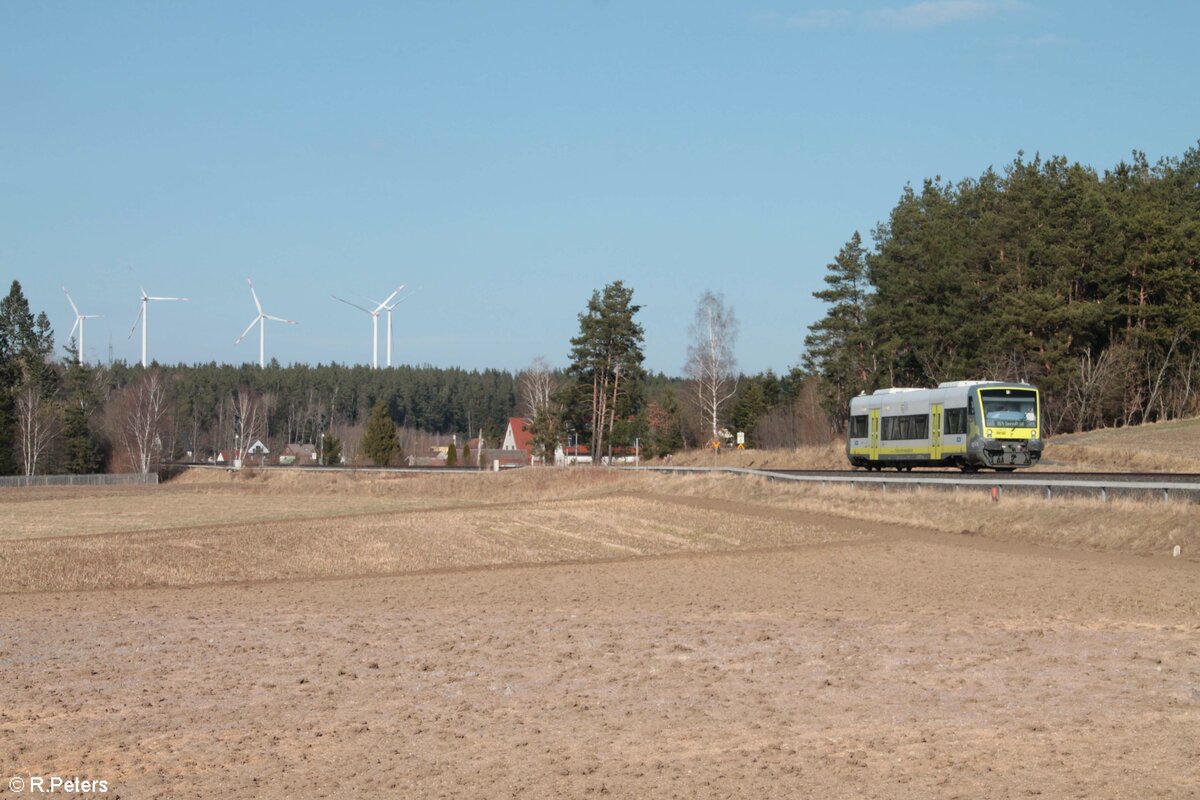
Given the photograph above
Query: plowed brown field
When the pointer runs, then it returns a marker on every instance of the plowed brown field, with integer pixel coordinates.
(533, 636)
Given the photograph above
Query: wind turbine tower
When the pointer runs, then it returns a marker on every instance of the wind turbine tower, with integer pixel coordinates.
(374, 322)
(79, 318)
(144, 317)
(389, 309)
(261, 322)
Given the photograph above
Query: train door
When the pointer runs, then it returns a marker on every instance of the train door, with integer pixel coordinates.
(935, 432)
(873, 434)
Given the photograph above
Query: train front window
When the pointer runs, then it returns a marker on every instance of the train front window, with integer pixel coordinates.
(1009, 408)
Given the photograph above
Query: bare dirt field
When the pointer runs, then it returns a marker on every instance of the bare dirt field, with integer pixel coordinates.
(546, 635)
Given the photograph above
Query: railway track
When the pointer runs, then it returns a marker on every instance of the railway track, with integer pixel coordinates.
(989, 476)
(1048, 484)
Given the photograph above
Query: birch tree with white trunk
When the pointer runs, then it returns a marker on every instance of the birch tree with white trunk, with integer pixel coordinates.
(144, 408)
(536, 385)
(38, 424)
(711, 365)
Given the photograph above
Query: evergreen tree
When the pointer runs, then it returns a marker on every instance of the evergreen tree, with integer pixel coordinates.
(1047, 272)
(331, 455)
(664, 424)
(379, 441)
(82, 449)
(466, 454)
(838, 347)
(606, 368)
(749, 405)
(26, 344)
(452, 455)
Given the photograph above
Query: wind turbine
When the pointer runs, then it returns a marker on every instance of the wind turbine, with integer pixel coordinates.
(260, 321)
(144, 316)
(374, 322)
(79, 318)
(388, 309)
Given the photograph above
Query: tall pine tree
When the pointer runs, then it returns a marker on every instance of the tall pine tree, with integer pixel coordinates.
(839, 348)
(606, 368)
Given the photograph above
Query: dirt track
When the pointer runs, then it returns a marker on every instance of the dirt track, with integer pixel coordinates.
(919, 665)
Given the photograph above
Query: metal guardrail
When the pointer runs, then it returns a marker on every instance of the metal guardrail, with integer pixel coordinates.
(307, 468)
(1028, 481)
(118, 479)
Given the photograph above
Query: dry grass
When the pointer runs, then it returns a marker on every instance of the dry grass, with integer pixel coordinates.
(1128, 525)
(1159, 447)
(826, 456)
(211, 527)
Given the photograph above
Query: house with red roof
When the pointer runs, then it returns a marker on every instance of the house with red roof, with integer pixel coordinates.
(517, 436)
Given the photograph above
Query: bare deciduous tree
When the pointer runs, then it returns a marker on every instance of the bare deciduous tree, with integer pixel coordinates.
(536, 386)
(249, 418)
(141, 410)
(711, 365)
(38, 424)
(800, 422)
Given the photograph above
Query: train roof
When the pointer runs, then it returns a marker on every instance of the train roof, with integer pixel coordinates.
(946, 385)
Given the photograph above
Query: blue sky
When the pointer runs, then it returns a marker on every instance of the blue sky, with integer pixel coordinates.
(509, 158)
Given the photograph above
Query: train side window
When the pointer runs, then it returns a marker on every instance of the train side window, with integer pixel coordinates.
(858, 426)
(913, 426)
(955, 421)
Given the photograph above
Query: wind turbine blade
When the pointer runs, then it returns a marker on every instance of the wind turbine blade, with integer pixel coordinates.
(257, 320)
(137, 319)
(356, 305)
(402, 299)
(78, 320)
(90, 316)
(143, 288)
(72, 302)
(389, 299)
(254, 294)
(168, 298)
(281, 319)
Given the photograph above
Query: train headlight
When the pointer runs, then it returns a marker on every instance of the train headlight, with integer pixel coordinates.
(989, 434)
(1033, 435)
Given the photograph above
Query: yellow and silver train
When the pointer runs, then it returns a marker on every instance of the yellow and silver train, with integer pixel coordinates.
(965, 424)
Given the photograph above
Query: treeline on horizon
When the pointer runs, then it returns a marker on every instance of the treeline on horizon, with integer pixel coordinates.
(1085, 284)
(57, 416)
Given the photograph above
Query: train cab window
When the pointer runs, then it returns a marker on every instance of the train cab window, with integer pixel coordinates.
(954, 421)
(858, 426)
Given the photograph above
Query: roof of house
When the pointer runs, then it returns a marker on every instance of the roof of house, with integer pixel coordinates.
(507, 458)
(521, 434)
